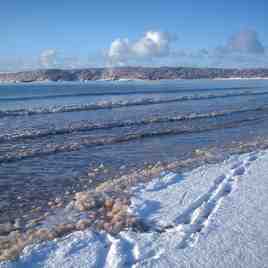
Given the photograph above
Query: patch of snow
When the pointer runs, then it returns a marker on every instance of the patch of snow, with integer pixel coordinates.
(213, 216)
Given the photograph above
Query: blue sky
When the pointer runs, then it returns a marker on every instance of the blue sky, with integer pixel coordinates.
(82, 33)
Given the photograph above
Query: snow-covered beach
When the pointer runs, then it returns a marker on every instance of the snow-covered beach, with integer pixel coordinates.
(213, 216)
(126, 174)
(134, 134)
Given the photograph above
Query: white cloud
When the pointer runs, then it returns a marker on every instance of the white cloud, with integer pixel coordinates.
(119, 51)
(242, 50)
(52, 58)
(49, 58)
(155, 48)
(152, 45)
(246, 41)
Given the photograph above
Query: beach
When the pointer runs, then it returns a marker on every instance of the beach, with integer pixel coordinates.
(214, 215)
(130, 173)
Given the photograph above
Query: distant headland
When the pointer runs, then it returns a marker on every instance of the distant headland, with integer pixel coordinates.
(132, 73)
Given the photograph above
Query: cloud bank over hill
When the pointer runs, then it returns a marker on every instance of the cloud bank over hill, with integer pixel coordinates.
(243, 49)
(152, 45)
(246, 41)
(49, 58)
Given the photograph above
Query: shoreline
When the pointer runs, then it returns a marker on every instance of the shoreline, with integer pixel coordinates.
(181, 195)
(63, 219)
(125, 80)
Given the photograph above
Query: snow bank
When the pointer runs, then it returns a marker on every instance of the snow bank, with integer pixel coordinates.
(213, 216)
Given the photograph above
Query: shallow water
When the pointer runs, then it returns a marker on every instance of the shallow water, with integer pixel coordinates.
(53, 135)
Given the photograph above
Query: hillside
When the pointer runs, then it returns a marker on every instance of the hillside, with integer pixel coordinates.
(144, 73)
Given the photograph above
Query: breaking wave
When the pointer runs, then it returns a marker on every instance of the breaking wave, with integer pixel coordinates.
(88, 126)
(121, 93)
(119, 104)
(53, 148)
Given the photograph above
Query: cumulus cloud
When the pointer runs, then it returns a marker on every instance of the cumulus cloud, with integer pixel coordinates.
(242, 50)
(52, 58)
(152, 45)
(246, 41)
(49, 58)
(119, 51)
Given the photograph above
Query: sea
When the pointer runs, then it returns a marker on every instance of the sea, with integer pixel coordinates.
(60, 138)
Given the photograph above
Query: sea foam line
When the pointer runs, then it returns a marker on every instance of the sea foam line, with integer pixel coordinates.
(120, 104)
(50, 149)
(88, 126)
